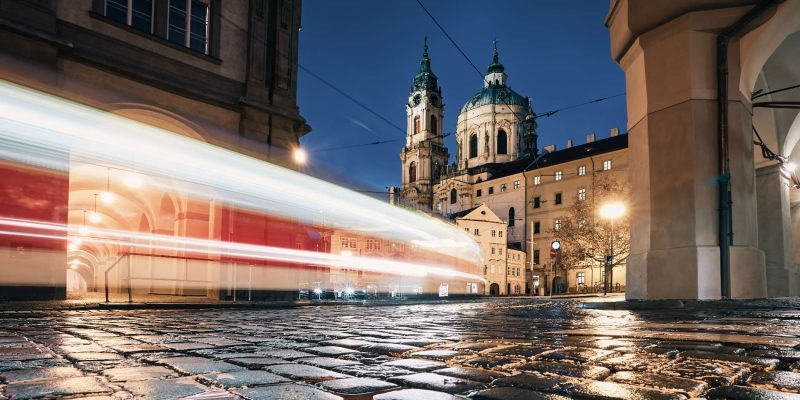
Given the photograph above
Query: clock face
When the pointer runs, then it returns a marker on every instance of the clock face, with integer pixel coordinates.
(417, 99)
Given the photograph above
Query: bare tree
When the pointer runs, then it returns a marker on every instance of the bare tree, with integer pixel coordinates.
(586, 237)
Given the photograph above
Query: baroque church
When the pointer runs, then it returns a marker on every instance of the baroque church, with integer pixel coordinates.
(495, 136)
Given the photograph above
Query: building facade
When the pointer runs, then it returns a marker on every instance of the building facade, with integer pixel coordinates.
(220, 72)
(490, 232)
(558, 180)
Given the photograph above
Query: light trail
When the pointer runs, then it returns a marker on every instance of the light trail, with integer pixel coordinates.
(147, 241)
(44, 131)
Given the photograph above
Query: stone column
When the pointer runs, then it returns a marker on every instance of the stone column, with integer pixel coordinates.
(775, 230)
(669, 61)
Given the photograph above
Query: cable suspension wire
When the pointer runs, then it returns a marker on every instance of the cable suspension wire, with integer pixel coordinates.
(761, 93)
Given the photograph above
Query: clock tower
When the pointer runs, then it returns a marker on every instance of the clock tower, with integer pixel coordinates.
(424, 157)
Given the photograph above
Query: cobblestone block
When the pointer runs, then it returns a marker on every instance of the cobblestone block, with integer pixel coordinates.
(236, 379)
(289, 391)
(436, 382)
(778, 380)
(414, 394)
(128, 374)
(512, 393)
(165, 388)
(304, 372)
(568, 369)
(748, 393)
(357, 386)
(690, 387)
(197, 365)
(41, 373)
(472, 374)
(416, 364)
(57, 387)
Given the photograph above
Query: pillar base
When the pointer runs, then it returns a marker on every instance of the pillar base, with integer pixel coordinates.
(748, 273)
(680, 273)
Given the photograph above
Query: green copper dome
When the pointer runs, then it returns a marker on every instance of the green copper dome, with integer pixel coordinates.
(494, 94)
(425, 79)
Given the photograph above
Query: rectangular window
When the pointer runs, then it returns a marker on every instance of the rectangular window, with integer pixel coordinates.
(537, 227)
(478, 193)
(494, 232)
(373, 244)
(502, 187)
(188, 24)
(581, 194)
(557, 225)
(348, 243)
(607, 165)
(517, 185)
(500, 251)
(582, 170)
(135, 13)
(491, 190)
(492, 250)
(559, 175)
(537, 202)
(537, 180)
(558, 198)
(477, 232)
(581, 278)
(536, 256)
(501, 233)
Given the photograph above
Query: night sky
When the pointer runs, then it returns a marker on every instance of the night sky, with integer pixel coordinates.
(556, 52)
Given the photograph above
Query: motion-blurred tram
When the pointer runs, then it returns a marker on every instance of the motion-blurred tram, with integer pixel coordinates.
(94, 202)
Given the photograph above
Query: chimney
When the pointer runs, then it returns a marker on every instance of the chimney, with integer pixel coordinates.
(569, 143)
(614, 132)
(549, 149)
(590, 138)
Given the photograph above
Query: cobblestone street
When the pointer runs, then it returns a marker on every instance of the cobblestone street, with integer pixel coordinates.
(491, 349)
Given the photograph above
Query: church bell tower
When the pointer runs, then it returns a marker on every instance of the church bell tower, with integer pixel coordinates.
(424, 157)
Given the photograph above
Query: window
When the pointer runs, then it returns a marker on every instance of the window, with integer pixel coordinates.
(537, 227)
(537, 180)
(502, 187)
(453, 196)
(500, 233)
(559, 175)
(478, 193)
(473, 146)
(135, 13)
(607, 165)
(416, 124)
(494, 233)
(536, 257)
(432, 128)
(557, 225)
(349, 243)
(502, 142)
(188, 24)
(580, 278)
(492, 250)
(537, 202)
(477, 232)
(412, 171)
(373, 244)
(582, 170)
(491, 189)
(558, 198)
(500, 251)
(511, 215)
(581, 194)
(516, 185)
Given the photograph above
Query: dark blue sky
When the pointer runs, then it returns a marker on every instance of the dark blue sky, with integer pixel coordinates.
(556, 52)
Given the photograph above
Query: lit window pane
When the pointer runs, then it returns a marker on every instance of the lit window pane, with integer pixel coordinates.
(117, 10)
(142, 15)
(177, 22)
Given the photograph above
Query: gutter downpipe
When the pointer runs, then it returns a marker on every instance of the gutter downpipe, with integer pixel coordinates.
(725, 200)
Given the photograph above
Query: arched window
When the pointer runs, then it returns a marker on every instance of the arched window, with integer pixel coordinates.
(502, 142)
(473, 146)
(416, 124)
(453, 196)
(412, 171)
(437, 170)
(432, 128)
(511, 216)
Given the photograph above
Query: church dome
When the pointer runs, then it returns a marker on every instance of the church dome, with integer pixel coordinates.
(494, 94)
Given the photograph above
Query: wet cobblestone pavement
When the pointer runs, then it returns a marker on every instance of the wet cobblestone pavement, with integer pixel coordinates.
(494, 349)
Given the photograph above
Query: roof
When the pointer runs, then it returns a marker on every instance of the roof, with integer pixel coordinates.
(494, 94)
(515, 246)
(462, 213)
(425, 79)
(480, 213)
(602, 146)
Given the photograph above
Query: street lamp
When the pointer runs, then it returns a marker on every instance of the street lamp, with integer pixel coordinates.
(610, 211)
(300, 156)
(555, 245)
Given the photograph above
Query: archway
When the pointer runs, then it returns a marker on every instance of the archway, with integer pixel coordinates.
(494, 289)
(502, 142)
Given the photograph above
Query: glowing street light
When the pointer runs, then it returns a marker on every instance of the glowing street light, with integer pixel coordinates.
(300, 156)
(610, 211)
(107, 197)
(95, 217)
(132, 180)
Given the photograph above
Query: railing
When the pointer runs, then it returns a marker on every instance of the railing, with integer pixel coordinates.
(129, 279)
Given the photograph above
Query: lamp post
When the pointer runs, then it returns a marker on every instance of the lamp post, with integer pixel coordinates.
(299, 155)
(610, 211)
(555, 245)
